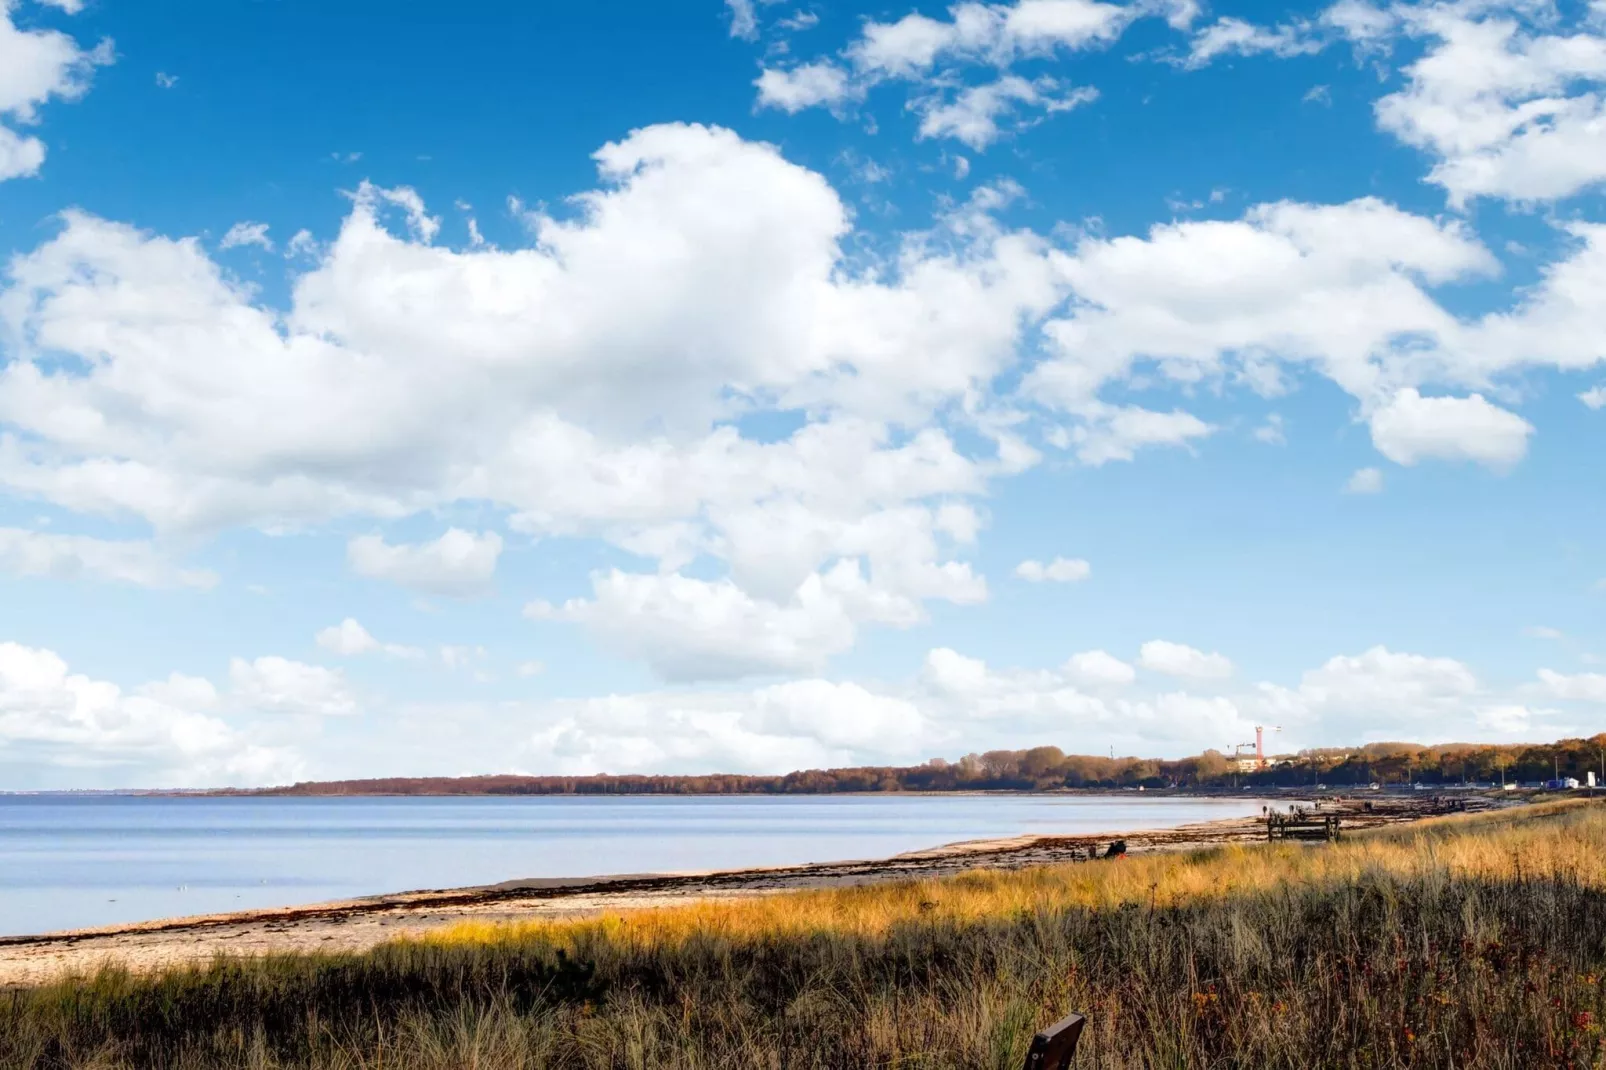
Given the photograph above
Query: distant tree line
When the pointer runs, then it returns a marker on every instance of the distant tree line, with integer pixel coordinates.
(1453, 763)
(1048, 769)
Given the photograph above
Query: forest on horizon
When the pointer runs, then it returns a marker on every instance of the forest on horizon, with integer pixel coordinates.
(1048, 768)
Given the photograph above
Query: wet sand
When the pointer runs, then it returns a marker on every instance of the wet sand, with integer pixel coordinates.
(359, 924)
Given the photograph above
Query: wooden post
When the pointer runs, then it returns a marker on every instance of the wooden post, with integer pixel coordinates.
(1055, 1047)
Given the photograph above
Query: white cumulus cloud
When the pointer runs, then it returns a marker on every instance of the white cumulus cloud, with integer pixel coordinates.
(744, 20)
(798, 724)
(1507, 100)
(1059, 570)
(972, 116)
(1578, 687)
(36, 65)
(1365, 481)
(691, 629)
(807, 86)
(1385, 687)
(1329, 287)
(243, 234)
(936, 55)
(459, 563)
(1229, 36)
(585, 383)
(1098, 667)
(1178, 659)
(62, 728)
(593, 382)
(1412, 428)
(1117, 432)
(349, 638)
(139, 563)
(279, 685)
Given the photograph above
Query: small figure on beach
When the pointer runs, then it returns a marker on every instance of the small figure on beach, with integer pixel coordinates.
(1117, 849)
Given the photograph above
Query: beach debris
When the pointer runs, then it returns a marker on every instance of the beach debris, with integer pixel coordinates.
(1301, 825)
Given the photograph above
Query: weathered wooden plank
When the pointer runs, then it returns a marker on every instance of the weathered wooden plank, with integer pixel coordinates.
(1055, 1047)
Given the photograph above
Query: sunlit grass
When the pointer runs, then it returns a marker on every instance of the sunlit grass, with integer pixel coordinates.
(1566, 838)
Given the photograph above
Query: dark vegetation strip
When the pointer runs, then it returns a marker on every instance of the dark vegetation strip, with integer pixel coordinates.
(1049, 768)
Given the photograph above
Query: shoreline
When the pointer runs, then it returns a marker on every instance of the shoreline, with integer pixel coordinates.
(358, 924)
(1280, 791)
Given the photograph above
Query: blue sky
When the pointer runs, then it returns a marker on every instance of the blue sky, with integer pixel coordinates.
(756, 385)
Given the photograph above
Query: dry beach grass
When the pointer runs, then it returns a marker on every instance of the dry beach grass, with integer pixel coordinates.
(1477, 941)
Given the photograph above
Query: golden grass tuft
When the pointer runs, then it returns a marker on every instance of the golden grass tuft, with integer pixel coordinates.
(1565, 839)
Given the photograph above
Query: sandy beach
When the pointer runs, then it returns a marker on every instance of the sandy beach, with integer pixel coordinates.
(359, 924)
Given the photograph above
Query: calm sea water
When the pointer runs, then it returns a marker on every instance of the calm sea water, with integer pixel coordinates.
(70, 862)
